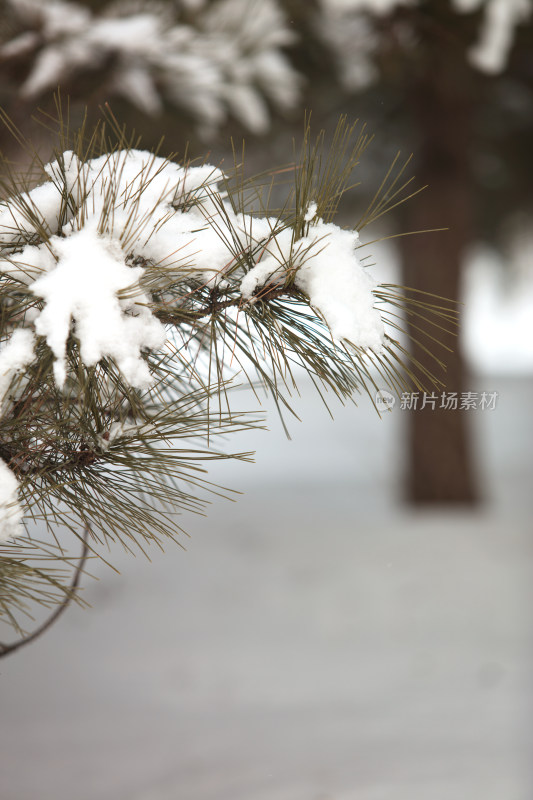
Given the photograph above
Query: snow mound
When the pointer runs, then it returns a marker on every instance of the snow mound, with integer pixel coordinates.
(105, 223)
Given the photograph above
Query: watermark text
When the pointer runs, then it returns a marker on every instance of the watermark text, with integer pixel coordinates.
(449, 401)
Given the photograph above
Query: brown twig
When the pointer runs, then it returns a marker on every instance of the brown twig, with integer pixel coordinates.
(6, 649)
(265, 294)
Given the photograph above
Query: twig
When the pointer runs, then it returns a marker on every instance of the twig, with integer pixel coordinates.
(269, 292)
(6, 649)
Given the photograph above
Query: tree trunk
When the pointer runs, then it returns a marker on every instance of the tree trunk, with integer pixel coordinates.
(441, 466)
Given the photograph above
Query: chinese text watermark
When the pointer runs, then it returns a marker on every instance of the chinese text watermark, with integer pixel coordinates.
(449, 401)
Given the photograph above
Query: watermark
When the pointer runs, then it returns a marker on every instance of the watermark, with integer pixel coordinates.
(449, 401)
(385, 401)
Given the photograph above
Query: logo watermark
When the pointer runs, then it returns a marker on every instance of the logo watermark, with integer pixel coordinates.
(385, 401)
(449, 401)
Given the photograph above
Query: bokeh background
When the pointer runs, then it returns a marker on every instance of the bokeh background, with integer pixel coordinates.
(357, 625)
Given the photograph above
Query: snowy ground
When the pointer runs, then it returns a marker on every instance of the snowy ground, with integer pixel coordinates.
(316, 641)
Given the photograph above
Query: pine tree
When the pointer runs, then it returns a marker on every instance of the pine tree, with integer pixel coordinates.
(134, 292)
(442, 69)
(213, 60)
(208, 60)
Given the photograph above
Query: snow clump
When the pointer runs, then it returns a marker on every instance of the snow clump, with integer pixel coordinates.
(10, 510)
(14, 355)
(92, 243)
(327, 270)
(130, 211)
(218, 59)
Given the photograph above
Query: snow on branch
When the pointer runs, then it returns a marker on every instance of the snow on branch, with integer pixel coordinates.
(496, 35)
(133, 289)
(209, 60)
(352, 29)
(131, 208)
(111, 248)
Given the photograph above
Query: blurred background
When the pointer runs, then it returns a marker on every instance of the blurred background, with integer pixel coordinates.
(357, 625)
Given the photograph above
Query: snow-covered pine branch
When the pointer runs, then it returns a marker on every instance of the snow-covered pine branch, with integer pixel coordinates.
(208, 60)
(352, 29)
(100, 220)
(132, 288)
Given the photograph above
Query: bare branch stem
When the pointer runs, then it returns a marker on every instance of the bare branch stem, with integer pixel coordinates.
(267, 293)
(6, 649)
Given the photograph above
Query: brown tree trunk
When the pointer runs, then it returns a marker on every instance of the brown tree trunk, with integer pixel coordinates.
(441, 468)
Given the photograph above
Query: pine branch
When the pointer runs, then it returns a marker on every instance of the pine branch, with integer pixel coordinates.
(134, 292)
(7, 649)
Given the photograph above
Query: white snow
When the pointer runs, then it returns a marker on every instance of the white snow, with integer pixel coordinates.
(349, 28)
(84, 287)
(132, 204)
(380, 7)
(311, 212)
(62, 18)
(80, 273)
(229, 59)
(28, 212)
(137, 85)
(273, 262)
(339, 287)
(10, 510)
(467, 6)
(497, 33)
(21, 45)
(119, 430)
(315, 640)
(134, 33)
(328, 271)
(15, 354)
(498, 312)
